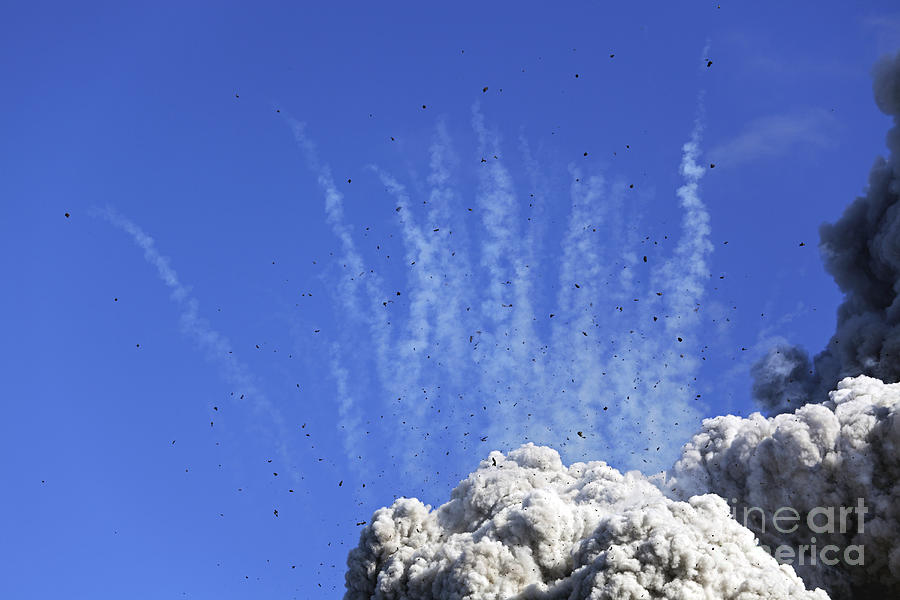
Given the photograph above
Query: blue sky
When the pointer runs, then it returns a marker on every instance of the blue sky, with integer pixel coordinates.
(232, 176)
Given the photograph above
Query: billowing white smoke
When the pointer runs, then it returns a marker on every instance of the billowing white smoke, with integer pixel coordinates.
(819, 459)
(525, 526)
(824, 480)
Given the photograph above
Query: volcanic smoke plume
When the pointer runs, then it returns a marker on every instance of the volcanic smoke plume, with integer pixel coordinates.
(525, 526)
(862, 252)
(818, 459)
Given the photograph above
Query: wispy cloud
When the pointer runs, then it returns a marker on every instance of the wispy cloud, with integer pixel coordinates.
(886, 28)
(775, 136)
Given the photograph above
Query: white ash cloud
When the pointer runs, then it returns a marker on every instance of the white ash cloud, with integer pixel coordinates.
(525, 526)
(822, 455)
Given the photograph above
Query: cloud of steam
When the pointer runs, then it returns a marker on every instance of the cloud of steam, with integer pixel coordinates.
(822, 455)
(525, 526)
(862, 252)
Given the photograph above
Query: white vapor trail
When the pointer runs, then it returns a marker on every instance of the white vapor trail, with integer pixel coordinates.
(488, 348)
(361, 295)
(216, 347)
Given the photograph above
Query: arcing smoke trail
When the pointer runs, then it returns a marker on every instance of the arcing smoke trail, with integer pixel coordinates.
(216, 346)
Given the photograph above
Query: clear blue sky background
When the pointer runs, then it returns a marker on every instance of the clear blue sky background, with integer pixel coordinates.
(130, 464)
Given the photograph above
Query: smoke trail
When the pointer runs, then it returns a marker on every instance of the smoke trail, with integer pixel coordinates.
(507, 314)
(361, 295)
(215, 346)
(545, 369)
(473, 311)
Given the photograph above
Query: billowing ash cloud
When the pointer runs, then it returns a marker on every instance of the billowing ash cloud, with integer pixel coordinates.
(525, 526)
(819, 459)
(862, 252)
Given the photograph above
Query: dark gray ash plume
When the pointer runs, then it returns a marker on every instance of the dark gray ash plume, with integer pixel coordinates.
(862, 252)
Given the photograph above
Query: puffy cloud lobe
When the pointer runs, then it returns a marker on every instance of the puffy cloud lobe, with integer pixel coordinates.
(862, 252)
(781, 380)
(525, 526)
(821, 455)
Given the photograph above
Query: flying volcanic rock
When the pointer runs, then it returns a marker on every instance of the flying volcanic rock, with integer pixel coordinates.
(523, 526)
(823, 467)
(862, 252)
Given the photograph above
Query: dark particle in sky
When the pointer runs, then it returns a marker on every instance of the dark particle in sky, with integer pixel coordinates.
(67, 215)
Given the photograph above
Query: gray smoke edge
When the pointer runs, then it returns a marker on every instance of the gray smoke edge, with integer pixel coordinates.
(861, 251)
